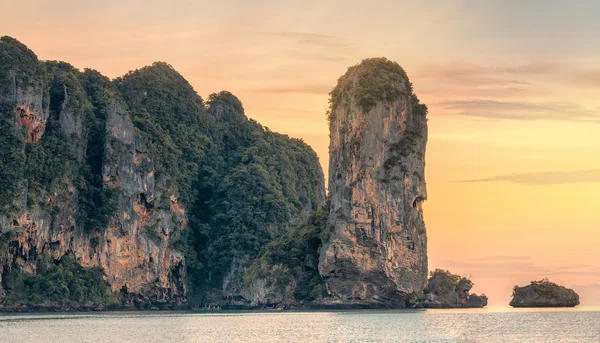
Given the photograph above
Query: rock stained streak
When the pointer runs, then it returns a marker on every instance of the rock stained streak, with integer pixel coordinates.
(375, 251)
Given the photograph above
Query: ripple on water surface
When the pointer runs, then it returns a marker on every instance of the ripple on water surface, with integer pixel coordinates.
(432, 326)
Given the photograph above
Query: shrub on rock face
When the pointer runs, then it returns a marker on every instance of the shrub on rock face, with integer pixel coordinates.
(63, 282)
(287, 267)
(447, 290)
(377, 80)
(443, 282)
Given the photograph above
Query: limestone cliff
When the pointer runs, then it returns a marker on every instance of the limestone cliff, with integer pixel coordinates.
(544, 293)
(375, 251)
(136, 250)
(83, 186)
(134, 192)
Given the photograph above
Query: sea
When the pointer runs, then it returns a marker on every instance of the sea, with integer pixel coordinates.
(433, 326)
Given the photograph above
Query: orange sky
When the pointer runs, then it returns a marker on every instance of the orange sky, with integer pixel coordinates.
(512, 86)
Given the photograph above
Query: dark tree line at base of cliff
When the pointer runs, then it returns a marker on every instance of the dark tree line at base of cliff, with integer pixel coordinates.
(294, 258)
(63, 282)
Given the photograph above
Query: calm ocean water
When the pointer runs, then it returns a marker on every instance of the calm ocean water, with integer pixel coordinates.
(439, 326)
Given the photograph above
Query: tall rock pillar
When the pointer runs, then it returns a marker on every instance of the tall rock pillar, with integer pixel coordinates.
(375, 249)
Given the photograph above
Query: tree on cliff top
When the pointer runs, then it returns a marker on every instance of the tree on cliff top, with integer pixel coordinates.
(371, 81)
(171, 120)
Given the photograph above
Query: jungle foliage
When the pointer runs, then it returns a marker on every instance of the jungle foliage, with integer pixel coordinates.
(63, 282)
(241, 185)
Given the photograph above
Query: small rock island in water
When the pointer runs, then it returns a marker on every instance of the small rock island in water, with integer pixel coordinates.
(447, 290)
(544, 293)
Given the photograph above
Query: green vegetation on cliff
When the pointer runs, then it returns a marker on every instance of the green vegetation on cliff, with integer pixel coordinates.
(18, 62)
(256, 186)
(293, 248)
(442, 282)
(544, 287)
(40, 165)
(57, 283)
(12, 158)
(242, 185)
(447, 290)
(18, 67)
(375, 80)
(96, 202)
(297, 253)
(171, 120)
(239, 185)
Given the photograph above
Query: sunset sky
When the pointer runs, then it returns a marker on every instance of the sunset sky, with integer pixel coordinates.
(513, 90)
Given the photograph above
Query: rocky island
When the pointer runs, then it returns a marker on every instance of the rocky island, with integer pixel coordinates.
(447, 290)
(136, 193)
(375, 249)
(544, 293)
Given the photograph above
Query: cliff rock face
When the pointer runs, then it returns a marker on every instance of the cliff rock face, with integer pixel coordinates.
(446, 290)
(23, 84)
(544, 293)
(73, 142)
(135, 251)
(376, 249)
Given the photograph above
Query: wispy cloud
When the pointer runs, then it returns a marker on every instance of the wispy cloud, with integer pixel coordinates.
(492, 109)
(498, 268)
(474, 74)
(538, 90)
(308, 89)
(546, 178)
(503, 258)
(311, 46)
(590, 78)
(468, 74)
(311, 38)
(507, 266)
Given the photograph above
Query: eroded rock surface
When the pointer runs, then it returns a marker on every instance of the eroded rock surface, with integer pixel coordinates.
(376, 247)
